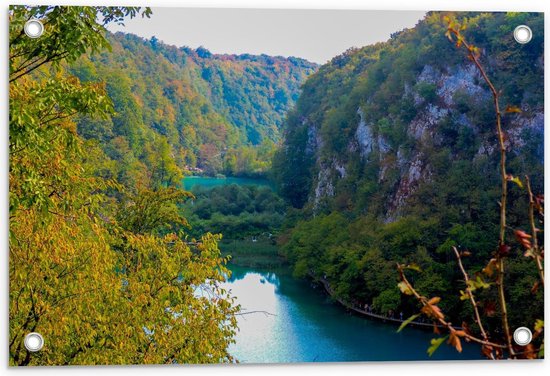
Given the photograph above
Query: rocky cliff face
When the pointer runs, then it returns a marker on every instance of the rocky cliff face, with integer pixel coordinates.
(385, 121)
(368, 145)
(391, 156)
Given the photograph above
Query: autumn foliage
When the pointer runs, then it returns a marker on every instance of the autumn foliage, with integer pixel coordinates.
(100, 265)
(495, 344)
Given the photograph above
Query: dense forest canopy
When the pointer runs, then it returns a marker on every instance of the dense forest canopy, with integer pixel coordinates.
(181, 109)
(237, 212)
(385, 155)
(391, 155)
(100, 264)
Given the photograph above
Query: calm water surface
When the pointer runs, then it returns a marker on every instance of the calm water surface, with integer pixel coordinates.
(307, 327)
(190, 181)
(303, 325)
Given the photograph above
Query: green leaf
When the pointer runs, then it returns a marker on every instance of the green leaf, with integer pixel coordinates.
(435, 343)
(404, 288)
(414, 267)
(481, 283)
(515, 179)
(407, 322)
(478, 283)
(513, 109)
(518, 182)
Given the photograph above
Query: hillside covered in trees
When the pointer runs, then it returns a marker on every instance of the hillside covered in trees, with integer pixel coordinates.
(179, 109)
(386, 163)
(391, 156)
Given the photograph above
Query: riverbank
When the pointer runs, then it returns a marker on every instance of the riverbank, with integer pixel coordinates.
(304, 325)
(262, 253)
(374, 316)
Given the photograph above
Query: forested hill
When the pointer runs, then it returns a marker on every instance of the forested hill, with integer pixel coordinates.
(377, 124)
(391, 155)
(218, 113)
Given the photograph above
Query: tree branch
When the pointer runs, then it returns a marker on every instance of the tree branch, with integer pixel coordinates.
(442, 321)
(472, 300)
(536, 251)
(473, 54)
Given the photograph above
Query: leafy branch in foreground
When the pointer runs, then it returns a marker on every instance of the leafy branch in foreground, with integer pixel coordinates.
(97, 266)
(69, 33)
(493, 344)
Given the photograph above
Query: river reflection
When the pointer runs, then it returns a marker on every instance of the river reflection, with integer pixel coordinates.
(300, 324)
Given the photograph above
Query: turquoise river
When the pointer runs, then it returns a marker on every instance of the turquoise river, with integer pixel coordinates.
(302, 324)
(296, 322)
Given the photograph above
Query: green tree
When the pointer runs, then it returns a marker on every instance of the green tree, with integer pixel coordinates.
(99, 291)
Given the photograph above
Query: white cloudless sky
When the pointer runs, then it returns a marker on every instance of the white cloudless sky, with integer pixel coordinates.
(315, 35)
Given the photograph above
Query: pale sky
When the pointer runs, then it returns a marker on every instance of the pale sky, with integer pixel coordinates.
(315, 35)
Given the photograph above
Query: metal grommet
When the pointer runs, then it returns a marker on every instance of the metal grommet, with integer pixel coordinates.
(523, 34)
(523, 336)
(33, 28)
(34, 342)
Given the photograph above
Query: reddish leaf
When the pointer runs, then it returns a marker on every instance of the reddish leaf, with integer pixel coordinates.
(490, 268)
(434, 300)
(504, 250)
(528, 352)
(455, 341)
(437, 312)
(522, 234)
(523, 238)
(460, 333)
(432, 311)
(487, 350)
(466, 328)
(490, 308)
(535, 287)
(539, 201)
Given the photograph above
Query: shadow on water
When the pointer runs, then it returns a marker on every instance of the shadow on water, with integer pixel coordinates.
(307, 326)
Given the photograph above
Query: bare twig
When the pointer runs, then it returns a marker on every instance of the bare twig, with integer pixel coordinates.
(535, 248)
(242, 313)
(473, 54)
(424, 301)
(472, 299)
